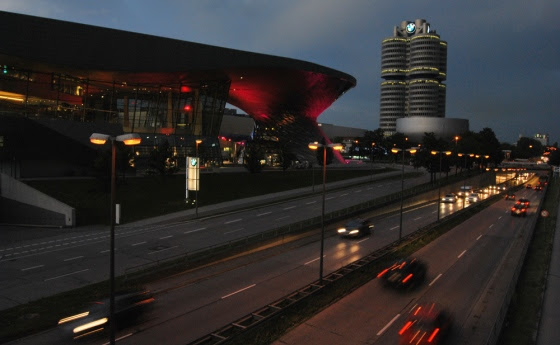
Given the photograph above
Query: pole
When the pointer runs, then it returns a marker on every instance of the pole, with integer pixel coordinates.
(402, 192)
(439, 187)
(112, 240)
(323, 215)
(197, 181)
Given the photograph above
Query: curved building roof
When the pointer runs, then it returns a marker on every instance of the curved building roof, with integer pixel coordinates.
(264, 86)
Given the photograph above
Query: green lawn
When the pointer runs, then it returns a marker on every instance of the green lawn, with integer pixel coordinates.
(144, 197)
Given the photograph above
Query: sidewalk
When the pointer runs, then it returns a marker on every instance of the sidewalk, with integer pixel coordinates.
(549, 332)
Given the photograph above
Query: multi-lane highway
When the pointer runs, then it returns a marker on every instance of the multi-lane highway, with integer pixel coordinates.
(195, 303)
(34, 268)
(461, 264)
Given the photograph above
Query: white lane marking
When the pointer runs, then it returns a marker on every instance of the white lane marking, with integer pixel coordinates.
(263, 214)
(120, 338)
(238, 291)
(490, 227)
(500, 217)
(163, 238)
(358, 191)
(417, 218)
(67, 274)
(394, 227)
(31, 268)
(161, 250)
(434, 212)
(463, 253)
(234, 221)
(369, 188)
(345, 194)
(74, 258)
(311, 202)
(308, 262)
(329, 198)
(365, 239)
(282, 217)
(106, 251)
(478, 238)
(436, 278)
(379, 185)
(236, 230)
(388, 325)
(195, 230)
(139, 243)
(289, 207)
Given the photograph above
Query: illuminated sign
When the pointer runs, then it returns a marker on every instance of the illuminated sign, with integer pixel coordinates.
(411, 28)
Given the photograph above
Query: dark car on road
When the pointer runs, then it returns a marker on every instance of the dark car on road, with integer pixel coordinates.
(427, 324)
(95, 318)
(355, 228)
(404, 273)
(523, 201)
(519, 210)
(509, 196)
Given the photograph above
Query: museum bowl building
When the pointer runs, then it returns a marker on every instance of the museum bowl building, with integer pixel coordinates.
(61, 81)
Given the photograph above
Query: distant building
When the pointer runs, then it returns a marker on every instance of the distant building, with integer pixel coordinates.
(542, 138)
(414, 68)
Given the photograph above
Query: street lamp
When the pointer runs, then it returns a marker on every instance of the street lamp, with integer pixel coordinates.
(198, 141)
(396, 150)
(100, 139)
(316, 146)
(372, 147)
(447, 153)
(456, 139)
(465, 180)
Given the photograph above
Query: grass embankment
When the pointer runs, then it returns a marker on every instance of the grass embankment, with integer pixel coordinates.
(145, 197)
(522, 320)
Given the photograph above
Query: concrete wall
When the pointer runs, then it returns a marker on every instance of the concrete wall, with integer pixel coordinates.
(21, 204)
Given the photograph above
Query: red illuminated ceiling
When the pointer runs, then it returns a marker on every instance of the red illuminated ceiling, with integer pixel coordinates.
(266, 87)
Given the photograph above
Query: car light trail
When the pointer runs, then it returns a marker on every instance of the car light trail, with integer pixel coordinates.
(238, 291)
(388, 325)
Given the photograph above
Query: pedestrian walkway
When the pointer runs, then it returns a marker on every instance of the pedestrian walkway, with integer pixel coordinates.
(549, 332)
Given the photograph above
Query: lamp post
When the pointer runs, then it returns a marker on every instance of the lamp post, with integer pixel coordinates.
(465, 180)
(456, 139)
(447, 153)
(396, 150)
(101, 139)
(198, 141)
(316, 146)
(372, 147)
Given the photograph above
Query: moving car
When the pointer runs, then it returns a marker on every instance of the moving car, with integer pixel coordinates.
(528, 186)
(501, 188)
(356, 228)
(449, 198)
(519, 210)
(464, 191)
(473, 197)
(523, 201)
(427, 324)
(509, 196)
(404, 273)
(538, 188)
(95, 318)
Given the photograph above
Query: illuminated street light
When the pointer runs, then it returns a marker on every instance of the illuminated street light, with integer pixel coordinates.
(315, 146)
(100, 139)
(412, 151)
(447, 153)
(198, 141)
(372, 147)
(465, 180)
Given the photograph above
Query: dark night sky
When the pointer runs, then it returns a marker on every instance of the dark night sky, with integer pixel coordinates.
(503, 66)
